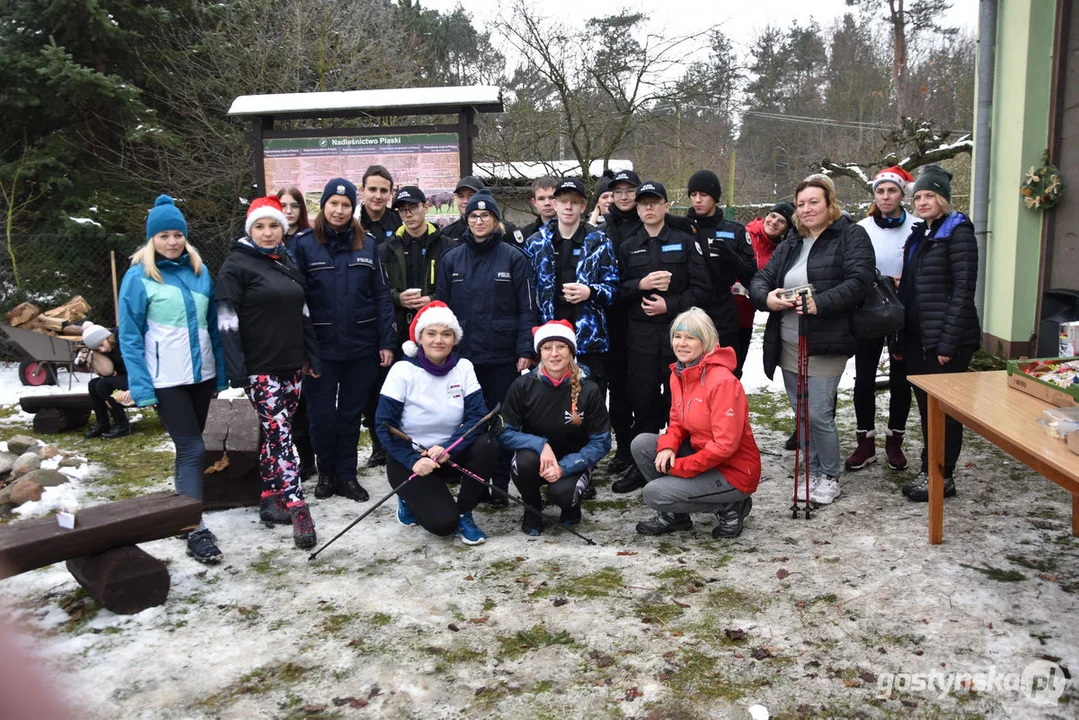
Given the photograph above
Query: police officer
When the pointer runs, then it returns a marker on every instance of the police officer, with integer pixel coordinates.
(662, 273)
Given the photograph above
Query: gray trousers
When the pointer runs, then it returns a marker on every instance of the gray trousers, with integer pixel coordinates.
(705, 493)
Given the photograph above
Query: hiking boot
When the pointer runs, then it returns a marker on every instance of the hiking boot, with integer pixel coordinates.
(303, 527)
(97, 430)
(633, 480)
(665, 522)
(866, 451)
(621, 461)
(893, 449)
(792, 442)
(468, 532)
(202, 545)
(918, 491)
(532, 524)
(825, 491)
(570, 516)
(273, 511)
(729, 520)
(404, 513)
(350, 488)
(324, 489)
(378, 456)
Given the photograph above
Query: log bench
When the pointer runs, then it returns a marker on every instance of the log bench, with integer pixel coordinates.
(101, 551)
(233, 439)
(57, 413)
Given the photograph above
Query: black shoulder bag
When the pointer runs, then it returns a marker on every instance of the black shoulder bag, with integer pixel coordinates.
(880, 314)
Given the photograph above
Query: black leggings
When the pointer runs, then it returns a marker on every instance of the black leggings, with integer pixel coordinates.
(866, 362)
(565, 493)
(183, 411)
(921, 362)
(427, 495)
(101, 389)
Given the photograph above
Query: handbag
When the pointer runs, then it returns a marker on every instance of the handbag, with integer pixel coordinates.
(880, 314)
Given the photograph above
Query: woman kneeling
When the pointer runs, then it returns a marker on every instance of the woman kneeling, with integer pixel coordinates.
(556, 422)
(707, 461)
(434, 397)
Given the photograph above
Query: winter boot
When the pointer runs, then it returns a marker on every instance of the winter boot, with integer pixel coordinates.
(272, 510)
(350, 488)
(378, 453)
(729, 520)
(122, 429)
(665, 522)
(633, 480)
(324, 489)
(97, 430)
(303, 527)
(621, 461)
(893, 449)
(865, 453)
(918, 491)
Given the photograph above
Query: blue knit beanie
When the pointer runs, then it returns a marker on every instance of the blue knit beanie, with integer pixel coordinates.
(338, 186)
(483, 200)
(164, 215)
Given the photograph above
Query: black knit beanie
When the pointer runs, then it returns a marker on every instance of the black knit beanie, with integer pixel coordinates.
(937, 179)
(705, 181)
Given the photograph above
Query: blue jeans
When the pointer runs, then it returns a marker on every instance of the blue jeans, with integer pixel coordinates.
(335, 402)
(823, 434)
(183, 410)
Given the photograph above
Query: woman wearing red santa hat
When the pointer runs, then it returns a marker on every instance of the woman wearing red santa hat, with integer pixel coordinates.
(556, 423)
(269, 343)
(433, 396)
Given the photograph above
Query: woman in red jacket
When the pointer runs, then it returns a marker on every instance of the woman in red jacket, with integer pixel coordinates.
(707, 461)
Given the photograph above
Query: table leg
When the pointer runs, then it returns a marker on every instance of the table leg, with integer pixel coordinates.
(936, 471)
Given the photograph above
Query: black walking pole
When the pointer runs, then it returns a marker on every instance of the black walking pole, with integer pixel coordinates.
(394, 491)
(489, 485)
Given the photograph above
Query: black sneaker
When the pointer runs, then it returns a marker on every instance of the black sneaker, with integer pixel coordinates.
(918, 491)
(665, 522)
(729, 520)
(570, 516)
(97, 430)
(350, 488)
(633, 480)
(792, 442)
(532, 524)
(272, 511)
(378, 457)
(202, 545)
(324, 489)
(303, 528)
(117, 431)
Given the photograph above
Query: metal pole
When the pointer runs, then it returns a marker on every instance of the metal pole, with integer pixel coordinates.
(987, 36)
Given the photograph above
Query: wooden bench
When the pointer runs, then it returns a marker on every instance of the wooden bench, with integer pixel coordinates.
(57, 413)
(233, 440)
(101, 551)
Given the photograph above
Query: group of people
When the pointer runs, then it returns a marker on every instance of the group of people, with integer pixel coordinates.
(580, 331)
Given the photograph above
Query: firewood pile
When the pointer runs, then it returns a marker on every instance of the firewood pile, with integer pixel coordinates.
(63, 321)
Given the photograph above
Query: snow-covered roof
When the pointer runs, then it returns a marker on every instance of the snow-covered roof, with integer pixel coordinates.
(485, 98)
(532, 170)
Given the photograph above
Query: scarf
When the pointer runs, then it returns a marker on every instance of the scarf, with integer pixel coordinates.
(889, 223)
(273, 253)
(556, 382)
(437, 370)
(679, 366)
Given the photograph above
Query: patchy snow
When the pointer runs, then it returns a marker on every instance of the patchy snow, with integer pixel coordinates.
(84, 221)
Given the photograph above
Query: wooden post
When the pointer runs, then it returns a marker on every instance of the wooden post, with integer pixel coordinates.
(936, 471)
(115, 293)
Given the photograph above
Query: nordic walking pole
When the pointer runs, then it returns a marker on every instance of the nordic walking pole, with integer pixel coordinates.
(803, 399)
(485, 483)
(394, 491)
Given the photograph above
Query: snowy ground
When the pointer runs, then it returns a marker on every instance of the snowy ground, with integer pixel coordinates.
(808, 618)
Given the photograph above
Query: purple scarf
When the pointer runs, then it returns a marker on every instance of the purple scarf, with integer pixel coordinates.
(437, 370)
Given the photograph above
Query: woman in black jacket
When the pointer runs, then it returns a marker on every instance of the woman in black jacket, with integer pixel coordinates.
(108, 363)
(269, 343)
(941, 332)
(833, 253)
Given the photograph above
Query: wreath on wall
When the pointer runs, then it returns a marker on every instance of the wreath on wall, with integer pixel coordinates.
(1043, 187)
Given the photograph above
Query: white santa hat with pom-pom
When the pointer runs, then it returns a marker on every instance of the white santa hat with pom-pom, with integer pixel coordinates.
(433, 313)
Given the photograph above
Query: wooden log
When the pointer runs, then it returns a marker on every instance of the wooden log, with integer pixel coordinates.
(72, 329)
(125, 580)
(22, 314)
(51, 324)
(73, 310)
(53, 420)
(69, 401)
(233, 439)
(31, 544)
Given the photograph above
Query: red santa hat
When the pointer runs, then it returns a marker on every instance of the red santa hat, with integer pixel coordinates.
(433, 313)
(555, 330)
(893, 174)
(265, 207)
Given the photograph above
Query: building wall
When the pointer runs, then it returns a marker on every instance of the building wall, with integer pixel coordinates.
(1020, 126)
(1063, 263)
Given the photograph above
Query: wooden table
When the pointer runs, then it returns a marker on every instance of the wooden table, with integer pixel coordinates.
(1007, 417)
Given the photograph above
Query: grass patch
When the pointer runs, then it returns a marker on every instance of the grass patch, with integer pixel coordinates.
(259, 681)
(660, 612)
(694, 674)
(996, 573)
(596, 505)
(767, 407)
(680, 578)
(729, 599)
(455, 655)
(81, 609)
(537, 636)
(595, 585)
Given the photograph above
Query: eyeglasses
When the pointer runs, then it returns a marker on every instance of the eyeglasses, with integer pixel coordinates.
(479, 217)
(624, 192)
(405, 210)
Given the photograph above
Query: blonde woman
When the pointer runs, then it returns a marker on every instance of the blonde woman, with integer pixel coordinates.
(169, 342)
(556, 424)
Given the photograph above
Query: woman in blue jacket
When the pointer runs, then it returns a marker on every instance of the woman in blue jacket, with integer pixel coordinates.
(169, 342)
(348, 297)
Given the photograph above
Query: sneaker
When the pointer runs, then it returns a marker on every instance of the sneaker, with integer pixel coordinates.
(350, 488)
(866, 451)
(825, 491)
(570, 516)
(665, 522)
(324, 489)
(532, 525)
(404, 513)
(202, 545)
(303, 527)
(893, 449)
(468, 532)
(633, 480)
(918, 491)
(272, 510)
(729, 520)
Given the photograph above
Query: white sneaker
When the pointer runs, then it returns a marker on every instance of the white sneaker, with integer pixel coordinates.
(825, 491)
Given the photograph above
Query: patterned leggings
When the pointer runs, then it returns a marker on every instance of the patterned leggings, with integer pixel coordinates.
(275, 398)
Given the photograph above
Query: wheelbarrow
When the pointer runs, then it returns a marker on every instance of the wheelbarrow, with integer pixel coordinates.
(43, 355)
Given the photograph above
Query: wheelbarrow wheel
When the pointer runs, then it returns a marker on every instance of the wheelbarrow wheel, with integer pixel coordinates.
(35, 373)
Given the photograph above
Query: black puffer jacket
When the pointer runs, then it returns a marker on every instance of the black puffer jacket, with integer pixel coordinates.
(937, 288)
(729, 256)
(842, 268)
